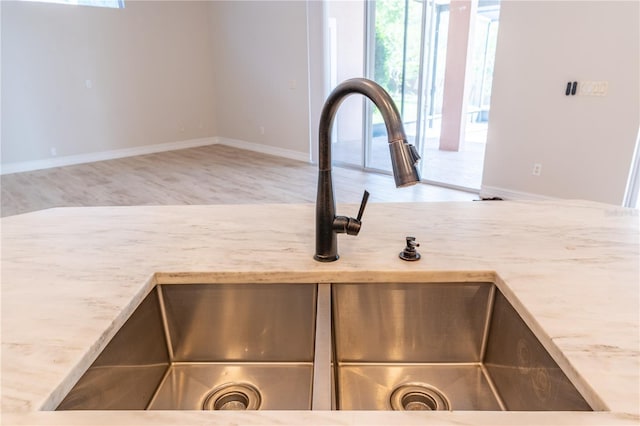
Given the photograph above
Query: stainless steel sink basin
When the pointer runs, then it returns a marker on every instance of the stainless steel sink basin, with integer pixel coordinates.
(360, 346)
(208, 346)
(440, 346)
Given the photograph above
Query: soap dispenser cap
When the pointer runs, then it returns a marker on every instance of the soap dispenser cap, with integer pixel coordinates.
(409, 253)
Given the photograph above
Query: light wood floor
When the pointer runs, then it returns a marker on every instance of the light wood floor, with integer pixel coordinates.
(214, 174)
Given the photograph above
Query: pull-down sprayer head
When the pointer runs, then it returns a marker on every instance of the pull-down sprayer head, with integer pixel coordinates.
(403, 160)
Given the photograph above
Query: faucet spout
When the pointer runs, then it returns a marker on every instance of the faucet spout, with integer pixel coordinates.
(403, 158)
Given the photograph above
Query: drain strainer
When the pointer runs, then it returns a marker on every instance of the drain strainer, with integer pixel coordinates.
(418, 397)
(233, 396)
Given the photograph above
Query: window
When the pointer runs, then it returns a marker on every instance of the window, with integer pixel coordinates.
(115, 4)
(632, 194)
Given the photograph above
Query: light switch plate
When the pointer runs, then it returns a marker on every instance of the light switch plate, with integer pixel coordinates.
(593, 88)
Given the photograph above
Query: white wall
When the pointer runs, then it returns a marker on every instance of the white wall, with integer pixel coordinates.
(261, 67)
(349, 63)
(318, 79)
(585, 144)
(150, 67)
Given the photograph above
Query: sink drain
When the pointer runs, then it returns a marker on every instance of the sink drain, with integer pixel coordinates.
(233, 396)
(418, 397)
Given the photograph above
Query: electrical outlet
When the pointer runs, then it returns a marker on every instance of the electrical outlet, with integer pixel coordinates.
(537, 169)
(261, 128)
(53, 152)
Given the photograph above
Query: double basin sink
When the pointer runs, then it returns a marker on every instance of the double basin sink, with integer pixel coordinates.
(344, 346)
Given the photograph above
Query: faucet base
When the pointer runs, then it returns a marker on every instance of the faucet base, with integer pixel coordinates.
(320, 258)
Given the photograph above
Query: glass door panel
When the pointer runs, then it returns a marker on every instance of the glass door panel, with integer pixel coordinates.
(395, 52)
(460, 163)
(412, 48)
(346, 60)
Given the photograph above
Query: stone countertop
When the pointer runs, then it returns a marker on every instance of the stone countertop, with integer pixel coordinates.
(71, 276)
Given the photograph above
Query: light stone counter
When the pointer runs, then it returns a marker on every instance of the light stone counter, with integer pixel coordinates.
(71, 276)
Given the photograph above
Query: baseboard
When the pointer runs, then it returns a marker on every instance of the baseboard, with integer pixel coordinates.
(27, 166)
(69, 160)
(508, 194)
(265, 149)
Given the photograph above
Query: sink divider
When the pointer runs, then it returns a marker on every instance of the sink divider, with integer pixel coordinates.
(322, 387)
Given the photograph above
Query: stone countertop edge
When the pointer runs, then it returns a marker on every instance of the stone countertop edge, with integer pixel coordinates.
(72, 276)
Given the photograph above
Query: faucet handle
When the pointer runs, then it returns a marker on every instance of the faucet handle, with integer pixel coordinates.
(349, 225)
(353, 225)
(363, 204)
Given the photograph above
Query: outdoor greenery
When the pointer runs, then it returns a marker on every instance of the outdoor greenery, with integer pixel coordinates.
(397, 56)
(390, 27)
(390, 18)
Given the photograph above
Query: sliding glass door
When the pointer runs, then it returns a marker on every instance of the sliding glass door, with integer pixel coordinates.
(435, 58)
(457, 90)
(394, 51)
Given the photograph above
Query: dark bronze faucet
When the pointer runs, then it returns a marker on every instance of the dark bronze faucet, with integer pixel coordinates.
(403, 159)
